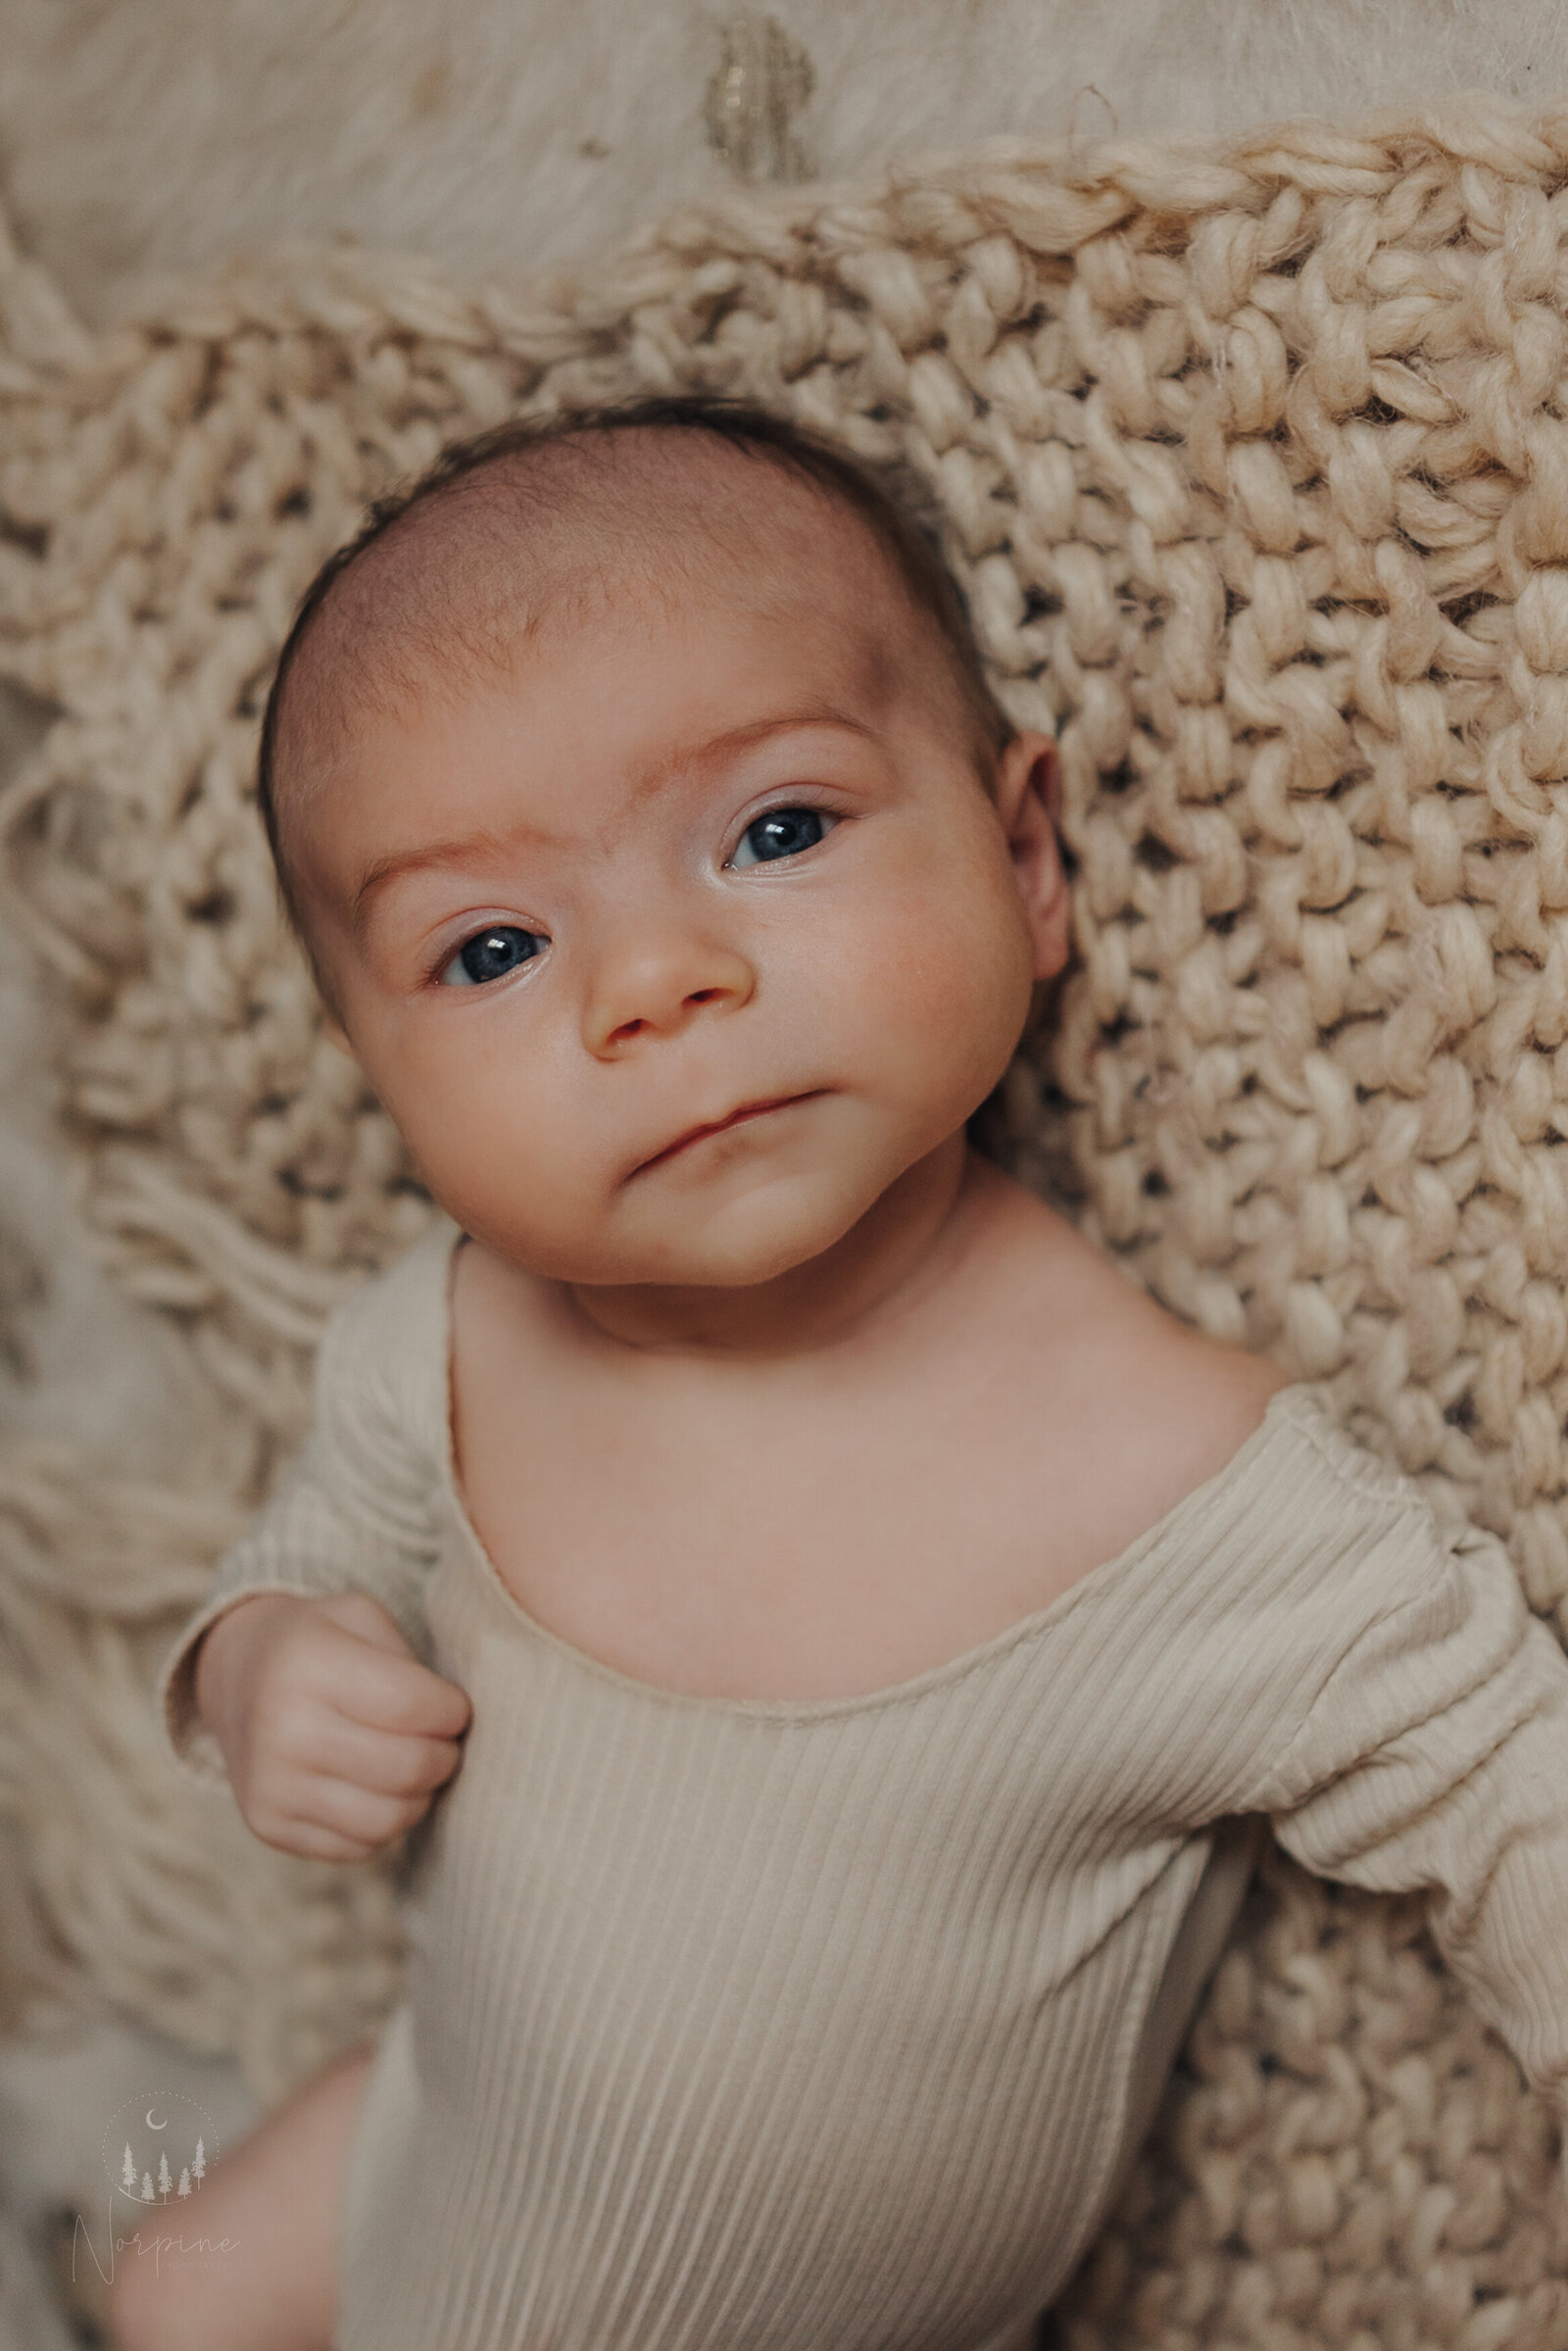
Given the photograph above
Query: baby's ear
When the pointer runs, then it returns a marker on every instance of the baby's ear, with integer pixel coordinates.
(1028, 802)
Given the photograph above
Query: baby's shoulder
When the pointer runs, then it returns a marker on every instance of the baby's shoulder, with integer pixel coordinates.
(1176, 1409)
(409, 1294)
(1129, 1406)
(1171, 1379)
(383, 1356)
(1078, 1309)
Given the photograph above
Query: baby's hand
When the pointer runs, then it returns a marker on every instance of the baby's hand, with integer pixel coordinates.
(335, 1736)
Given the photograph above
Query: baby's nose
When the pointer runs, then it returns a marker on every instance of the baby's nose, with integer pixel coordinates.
(651, 985)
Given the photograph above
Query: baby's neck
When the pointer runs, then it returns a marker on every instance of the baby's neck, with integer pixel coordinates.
(899, 1248)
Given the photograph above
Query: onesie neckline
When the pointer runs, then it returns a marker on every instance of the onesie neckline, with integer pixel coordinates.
(1281, 1412)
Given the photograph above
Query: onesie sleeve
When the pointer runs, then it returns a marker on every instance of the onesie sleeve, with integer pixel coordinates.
(358, 1511)
(1434, 1756)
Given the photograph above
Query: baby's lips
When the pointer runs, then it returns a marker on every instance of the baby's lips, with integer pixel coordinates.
(720, 1126)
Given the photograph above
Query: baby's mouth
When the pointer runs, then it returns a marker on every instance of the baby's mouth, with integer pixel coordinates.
(722, 1126)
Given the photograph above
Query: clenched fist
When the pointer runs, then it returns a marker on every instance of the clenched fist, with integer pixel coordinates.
(335, 1736)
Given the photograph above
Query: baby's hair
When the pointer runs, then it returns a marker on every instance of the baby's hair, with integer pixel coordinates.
(892, 519)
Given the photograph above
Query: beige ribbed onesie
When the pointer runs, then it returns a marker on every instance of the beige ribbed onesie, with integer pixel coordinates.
(747, 2026)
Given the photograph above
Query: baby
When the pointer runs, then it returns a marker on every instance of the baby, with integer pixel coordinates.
(871, 1628)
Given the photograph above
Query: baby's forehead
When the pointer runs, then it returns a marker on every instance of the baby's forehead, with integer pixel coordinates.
(511, 557)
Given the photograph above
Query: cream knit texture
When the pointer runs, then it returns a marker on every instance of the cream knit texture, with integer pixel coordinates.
(754, 2025)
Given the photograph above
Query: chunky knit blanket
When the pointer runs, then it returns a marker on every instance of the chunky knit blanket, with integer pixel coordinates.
(1255, 465)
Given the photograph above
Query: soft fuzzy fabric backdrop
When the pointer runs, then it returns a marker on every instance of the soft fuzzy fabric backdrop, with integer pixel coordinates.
(1256, 466)
(502, 135)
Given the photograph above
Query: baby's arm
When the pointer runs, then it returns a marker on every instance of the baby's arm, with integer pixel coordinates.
(303, 1680)
(1435, 1757)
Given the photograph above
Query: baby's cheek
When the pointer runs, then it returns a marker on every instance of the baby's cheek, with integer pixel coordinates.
(941, 990)
(471, 1130)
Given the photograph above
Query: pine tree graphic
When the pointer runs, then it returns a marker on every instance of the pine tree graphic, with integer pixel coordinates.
(147, 2188)
(198, 2170)
(164, 2183)
(183, 2189)
(127, 2172)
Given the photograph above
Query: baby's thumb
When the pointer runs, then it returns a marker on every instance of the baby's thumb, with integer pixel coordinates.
(358, 1613)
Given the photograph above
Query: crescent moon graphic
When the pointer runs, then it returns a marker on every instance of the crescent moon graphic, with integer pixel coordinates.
(152, 2126)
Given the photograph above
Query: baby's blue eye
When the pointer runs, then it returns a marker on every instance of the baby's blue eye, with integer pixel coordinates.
(782, 833)
(490, 954)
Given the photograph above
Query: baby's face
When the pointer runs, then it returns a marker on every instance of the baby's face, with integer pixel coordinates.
(671, 947)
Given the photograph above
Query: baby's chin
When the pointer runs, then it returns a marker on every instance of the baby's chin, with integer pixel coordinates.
(731, 1242)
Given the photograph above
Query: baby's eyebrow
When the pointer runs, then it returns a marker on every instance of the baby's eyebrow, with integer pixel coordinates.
(741, 738)
(487, 842)
(434, 855)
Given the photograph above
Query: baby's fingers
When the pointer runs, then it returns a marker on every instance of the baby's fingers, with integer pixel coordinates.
(329, 1820)
(390, 1763)
(312, 1844)
(379, 1683)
